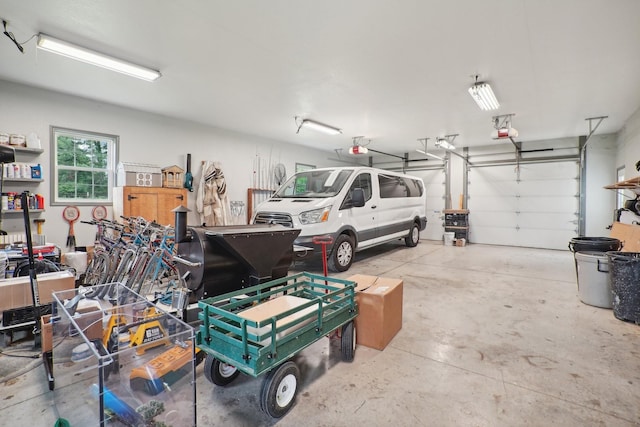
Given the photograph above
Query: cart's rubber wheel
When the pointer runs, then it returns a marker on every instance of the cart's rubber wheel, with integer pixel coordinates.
(218, 372)
(348, 342)
(413, 237)
(279, 389)
(341, 256)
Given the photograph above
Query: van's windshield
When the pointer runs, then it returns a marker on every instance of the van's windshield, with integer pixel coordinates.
(314, 184)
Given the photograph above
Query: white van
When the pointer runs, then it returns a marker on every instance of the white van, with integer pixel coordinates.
(358, 207)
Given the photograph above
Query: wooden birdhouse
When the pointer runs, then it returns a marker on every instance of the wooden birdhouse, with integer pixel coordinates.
(173, 177)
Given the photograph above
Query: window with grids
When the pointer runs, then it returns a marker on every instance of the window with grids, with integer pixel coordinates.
(84, 165)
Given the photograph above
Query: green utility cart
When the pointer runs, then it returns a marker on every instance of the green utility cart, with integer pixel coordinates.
(259, 329)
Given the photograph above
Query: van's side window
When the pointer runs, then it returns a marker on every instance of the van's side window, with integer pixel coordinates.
(397, 186)
(361, 181)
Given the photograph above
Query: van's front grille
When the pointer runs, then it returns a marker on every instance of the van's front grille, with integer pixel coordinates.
(274, 218)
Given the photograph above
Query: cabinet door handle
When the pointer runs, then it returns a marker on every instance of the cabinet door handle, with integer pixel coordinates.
(130, 197)
(181, 197)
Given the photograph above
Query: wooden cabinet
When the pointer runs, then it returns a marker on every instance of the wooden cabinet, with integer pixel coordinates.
(151, 203)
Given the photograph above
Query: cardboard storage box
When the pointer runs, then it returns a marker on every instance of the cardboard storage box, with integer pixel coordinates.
(46, 328)
(16, 291)
(380, 309)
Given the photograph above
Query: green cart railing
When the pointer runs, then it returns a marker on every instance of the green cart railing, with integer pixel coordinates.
(241, 332)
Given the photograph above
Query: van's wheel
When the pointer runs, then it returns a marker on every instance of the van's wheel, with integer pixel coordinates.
(341, 256)
(348, 342)
(413, 237)
(218, 372)
(279, 389)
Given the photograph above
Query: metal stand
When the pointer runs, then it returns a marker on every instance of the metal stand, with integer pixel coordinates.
(37, 339)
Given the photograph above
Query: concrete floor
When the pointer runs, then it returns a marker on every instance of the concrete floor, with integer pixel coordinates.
(492, 336)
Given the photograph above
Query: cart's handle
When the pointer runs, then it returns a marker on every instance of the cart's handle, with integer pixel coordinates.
(186, 261)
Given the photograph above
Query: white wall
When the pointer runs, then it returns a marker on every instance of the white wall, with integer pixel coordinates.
(629, 146)
(601, 170)
(144, 138)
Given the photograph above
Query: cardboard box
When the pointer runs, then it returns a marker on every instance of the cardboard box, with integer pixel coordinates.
(16, 291)
(88, 316)
(46, 333)
(380, 310)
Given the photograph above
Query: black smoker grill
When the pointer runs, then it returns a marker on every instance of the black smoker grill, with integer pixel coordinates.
(228, 258)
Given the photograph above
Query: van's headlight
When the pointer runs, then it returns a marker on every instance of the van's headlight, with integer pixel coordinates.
(315, 216)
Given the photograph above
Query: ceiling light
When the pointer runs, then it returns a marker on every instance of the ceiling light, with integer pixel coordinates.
(429, 154)
(425, 152)
(443, 143)
(78, 53)
(482, 93)
(320, 127)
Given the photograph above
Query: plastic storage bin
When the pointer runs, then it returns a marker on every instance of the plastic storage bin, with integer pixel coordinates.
(121, 365)
(593, 279)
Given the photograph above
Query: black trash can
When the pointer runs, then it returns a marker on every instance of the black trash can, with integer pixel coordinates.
(624, 276)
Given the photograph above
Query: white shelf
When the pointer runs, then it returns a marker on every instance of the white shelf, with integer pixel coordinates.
(19, 211)
(26, 150)
(23, 180)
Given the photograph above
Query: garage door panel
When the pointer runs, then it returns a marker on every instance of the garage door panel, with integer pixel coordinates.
(547, 221)
(434, 189)
(493, 187)
(494, 220)
(493, 203)
(548, 187)
(534, 206)
(551, 204)
(558, 170)
(546, 239)
(497, 235)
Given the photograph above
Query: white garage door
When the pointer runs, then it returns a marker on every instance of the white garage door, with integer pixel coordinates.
(538, 210)
(434, 186)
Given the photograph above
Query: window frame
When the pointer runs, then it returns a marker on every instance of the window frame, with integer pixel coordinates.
(112, 162)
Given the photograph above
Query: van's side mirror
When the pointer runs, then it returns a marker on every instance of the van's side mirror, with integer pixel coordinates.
(357, 198)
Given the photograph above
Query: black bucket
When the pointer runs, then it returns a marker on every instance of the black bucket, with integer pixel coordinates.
(624, 277)
(596, 244)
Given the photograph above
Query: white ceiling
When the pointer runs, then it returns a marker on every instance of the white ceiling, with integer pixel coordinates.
(391, 71)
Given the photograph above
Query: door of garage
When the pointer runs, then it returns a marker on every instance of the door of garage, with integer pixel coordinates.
(531, 205)
(434, 182)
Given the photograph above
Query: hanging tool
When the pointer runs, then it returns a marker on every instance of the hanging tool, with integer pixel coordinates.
(188, 177)
(71, 214)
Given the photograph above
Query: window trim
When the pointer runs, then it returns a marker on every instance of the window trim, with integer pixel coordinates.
(112, 163)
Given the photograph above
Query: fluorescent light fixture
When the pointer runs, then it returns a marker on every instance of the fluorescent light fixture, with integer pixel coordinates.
(484, 96)
(358, 149)
(429, 154)
(320, 127)
(51, 44)
(443, 143)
